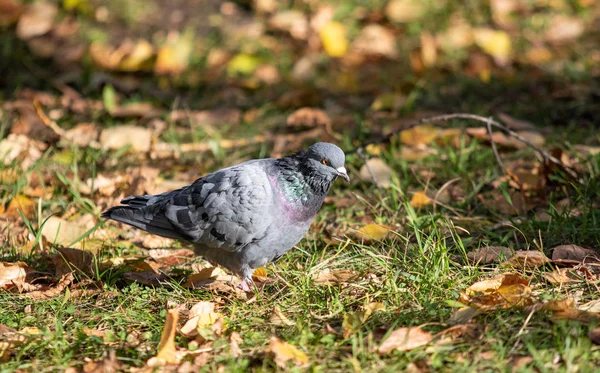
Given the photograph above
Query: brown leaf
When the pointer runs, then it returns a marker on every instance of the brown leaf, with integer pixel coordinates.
(504, 291)
(62, 232)
(278, 318)
(490, 254)
(37, 20)
(20, 203)
(171, 258)
(405, 339)
(471, 331)
(146, 277)
(167, 351)
(68, 260)
(560, 276)
(308, 118)
(464, 315)
(10, 339)
(204, 320)
(283, 352)
(14, 274)
(376, 171)
(565, 310)
(214, 117)
(83, 135)
(234, 344)
(33, 123)
(174, 57)
(576, 253)
(329, 276)
(108, 364)
(292, 21)
(528, 259)
(403, 11)
(9, 14)
(139, 138)
(516, 124)
(424, 134)
(564, 28)
(376, 40)
(135, 110)
(594, 336)
(495, 200)
(354, 321)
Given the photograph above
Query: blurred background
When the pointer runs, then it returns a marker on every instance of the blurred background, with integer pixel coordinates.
(370, 60)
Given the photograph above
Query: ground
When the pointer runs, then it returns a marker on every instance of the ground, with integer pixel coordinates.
(448, 251)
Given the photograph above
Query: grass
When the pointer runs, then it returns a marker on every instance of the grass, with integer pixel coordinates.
(415, 274)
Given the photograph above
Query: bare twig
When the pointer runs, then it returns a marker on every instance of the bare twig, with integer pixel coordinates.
(494, 147)
(547, 157)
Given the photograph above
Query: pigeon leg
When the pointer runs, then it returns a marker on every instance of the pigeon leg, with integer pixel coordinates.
(245, 285)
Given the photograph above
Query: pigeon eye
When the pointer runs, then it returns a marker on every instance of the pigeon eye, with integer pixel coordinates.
(325, 162)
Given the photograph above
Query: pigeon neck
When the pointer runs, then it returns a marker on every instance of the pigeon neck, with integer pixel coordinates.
(300, 187)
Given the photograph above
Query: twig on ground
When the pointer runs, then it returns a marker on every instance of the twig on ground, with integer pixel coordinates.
(547, 157)
(494, 147)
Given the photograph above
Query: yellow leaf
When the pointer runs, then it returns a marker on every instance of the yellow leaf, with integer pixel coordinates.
(140, 58)
(283, 352)
(202, 316)
(333, 37)
(260, 274)
(278, 318)
(420, 135)
(174, 57)
(405, 339)
(373, 232)
(167, 351)
(242, 64)
(329, 276)
(388, 101)
(420, 199)
(494, 42)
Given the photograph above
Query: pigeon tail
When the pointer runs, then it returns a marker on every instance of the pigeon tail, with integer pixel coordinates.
(142, 213)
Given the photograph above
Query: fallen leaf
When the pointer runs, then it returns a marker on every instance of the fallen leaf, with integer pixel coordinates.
(68, 260)
(591, 306)
(62, 232)
(565, 309)
(36, 20)
(108, 364)
(20, 203)
(594, 336)
(243, 64)
(284, 352)
(202, 318)
(376, 40)
(560, 276)
(139, 138)
(84, 135)
(428, 50)
(304, 118)
(376, 171)
(528, 259)
(135, 110)
(11, 338)
(403, 11)
(391, 101)
(504, 291)
(260, 275)
(464, 315)
(9, 14)
(292, 21)
(490, 254)
(516, 124)
(563, 28)
(333, 37)
(167, 351)
(405, 339)
(420, 199)
(575, 253)
(166, 257)
(372, 231)
(174, 57)
(496, 200)
(278, 318)
(14, 274)
(420, 135)
(331, 276)
(353, 321)
(234, 344)
(496, 43)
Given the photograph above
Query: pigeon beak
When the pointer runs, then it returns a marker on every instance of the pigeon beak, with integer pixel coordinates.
(341, 172)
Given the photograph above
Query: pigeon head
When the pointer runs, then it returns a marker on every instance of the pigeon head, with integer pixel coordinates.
(325, 160)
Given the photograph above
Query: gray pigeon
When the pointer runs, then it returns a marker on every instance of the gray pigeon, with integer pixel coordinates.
(245, 216)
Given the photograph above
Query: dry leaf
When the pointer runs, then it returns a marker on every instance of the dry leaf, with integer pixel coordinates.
(420, 199)
(420, 135)
(21, 148)
(490, 254)
(496, 43)
(10, 339)
(68, 260)
(170, 258)
(405, 339)
(564, 28)
(234, 344)
(83, 135)
(9, 14)
(174, 57)
(14, 274)
(565, 310)
(594, 336)
(108, 364)
(403, 11)
(167, 351)
(333, 37)
(36, 20)
(283, 352)
(504, 291)
(278, 318)
(308, 118)
(376, 171)
(372, 231)
(559, 276)
(376, 40)
(260, 275)
(330, 276)
(428, 50)
(139, 138)
(353, 321)
(202, 318)
(575, 253)
(64, 233)
(528, 259)
(464, 315)
(292, 21)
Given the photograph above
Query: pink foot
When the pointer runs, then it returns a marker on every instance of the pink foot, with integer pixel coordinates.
(244, 286)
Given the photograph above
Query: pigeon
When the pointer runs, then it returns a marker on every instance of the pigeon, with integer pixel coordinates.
(245, 216)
